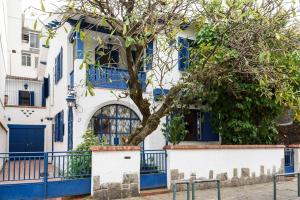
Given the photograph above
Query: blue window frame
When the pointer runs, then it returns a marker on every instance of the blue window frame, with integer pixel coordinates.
(113, 121)
(107, 56)
(26, 98)
(158, 93)
(149, 55)
(184, 45)
(59, 127)
(59, 66)
(71, 78)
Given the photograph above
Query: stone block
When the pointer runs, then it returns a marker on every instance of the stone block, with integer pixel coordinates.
(130, 178)
(193, 176)
(253, 175)
(96, 183)
(104, 186)
(181, 176)
(235, 172)
(114, 191)
(101, 195)
(222, 176)
(125, 193)
(211, 174)
(245, 172)
(235, 181)
(174, 174)
(125, 186)
(134, 190)
(262, 170)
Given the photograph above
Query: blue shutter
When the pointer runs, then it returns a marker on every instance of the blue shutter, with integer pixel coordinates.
(149, 55)
(46, 87)
(61, 127)
(183, 54)
(31, 98)
(61, 63)
(208, 133)
(72, 78)
(56, 127)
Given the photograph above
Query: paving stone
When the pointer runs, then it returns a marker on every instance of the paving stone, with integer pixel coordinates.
(245, 172)
(287, 190)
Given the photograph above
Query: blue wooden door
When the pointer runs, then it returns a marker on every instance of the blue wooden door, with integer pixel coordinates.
(26, 138)
(289, 161)
(208, 133)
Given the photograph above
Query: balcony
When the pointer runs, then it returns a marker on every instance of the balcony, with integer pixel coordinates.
(112, 77)
(24, 92)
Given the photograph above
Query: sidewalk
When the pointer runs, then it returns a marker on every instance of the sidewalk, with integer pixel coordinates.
(285, 191)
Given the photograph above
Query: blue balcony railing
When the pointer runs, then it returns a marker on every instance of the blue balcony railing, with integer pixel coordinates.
(112, 77)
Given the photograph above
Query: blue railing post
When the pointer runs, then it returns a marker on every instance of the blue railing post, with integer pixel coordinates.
(45, 173)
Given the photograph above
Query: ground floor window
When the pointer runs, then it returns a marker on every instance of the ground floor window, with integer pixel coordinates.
(199, 126)
(112, 122)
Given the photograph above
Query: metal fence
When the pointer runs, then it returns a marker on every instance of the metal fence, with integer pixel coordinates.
(24, 166)
(153, 161)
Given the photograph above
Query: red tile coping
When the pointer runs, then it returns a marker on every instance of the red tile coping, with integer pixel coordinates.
(218, 146)
(293, 146)
(115, 148)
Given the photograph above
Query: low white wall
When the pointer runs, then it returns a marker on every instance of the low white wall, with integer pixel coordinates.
(200, 160)
(111, 163)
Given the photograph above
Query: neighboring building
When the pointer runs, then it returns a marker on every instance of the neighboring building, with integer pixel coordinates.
(23, 86)
(107, 116)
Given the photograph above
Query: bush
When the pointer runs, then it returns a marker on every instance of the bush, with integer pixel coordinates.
(175, 130)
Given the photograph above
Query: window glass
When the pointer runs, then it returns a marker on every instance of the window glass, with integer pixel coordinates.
(26, 59)
(24, 98)
(111, 122)
(34, 40)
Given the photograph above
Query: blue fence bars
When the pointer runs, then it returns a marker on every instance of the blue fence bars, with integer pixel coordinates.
(47, 174)
(153, 169)
(112, 77)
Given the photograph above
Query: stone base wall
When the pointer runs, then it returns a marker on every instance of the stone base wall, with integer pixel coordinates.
(108, 191)
(246, 178)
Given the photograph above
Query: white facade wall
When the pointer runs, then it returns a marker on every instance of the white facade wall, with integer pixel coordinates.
(30, 116)
(221, 160)
(13, 86)
(3, 72)
(112, 165)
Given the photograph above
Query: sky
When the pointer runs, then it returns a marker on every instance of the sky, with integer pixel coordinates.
(49, 5)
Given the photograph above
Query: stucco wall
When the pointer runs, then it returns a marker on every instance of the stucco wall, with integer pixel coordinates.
(223, 159)
(30, 116)
(112, 164)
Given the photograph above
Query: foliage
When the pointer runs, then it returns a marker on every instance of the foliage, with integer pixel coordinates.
(175, 130)
(246, 63)
(131, 26)
(80, 161)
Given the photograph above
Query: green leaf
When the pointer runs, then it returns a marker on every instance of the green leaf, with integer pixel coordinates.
(35, 24)
(129, 41)
(42, 6)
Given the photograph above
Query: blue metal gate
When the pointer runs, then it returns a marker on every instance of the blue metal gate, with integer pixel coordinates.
(289, 160)
(153, 169)
(44, 175)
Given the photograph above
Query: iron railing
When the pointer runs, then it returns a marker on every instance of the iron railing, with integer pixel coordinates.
(153, 161)
(24, 166)
(286, 174)
(112, 77)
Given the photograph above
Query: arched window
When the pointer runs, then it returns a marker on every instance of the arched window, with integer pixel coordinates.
(112, 121)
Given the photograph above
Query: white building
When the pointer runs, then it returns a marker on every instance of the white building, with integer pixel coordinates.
(108, 116)
(22, 88)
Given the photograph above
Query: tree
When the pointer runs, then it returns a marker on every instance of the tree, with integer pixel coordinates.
(137, 23)
(247, 61)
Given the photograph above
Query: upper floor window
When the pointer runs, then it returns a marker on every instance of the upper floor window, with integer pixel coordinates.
(59, 66)
(26, 59)
(34, 40)
(26, 98)
(107, 56)
(25, 37)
